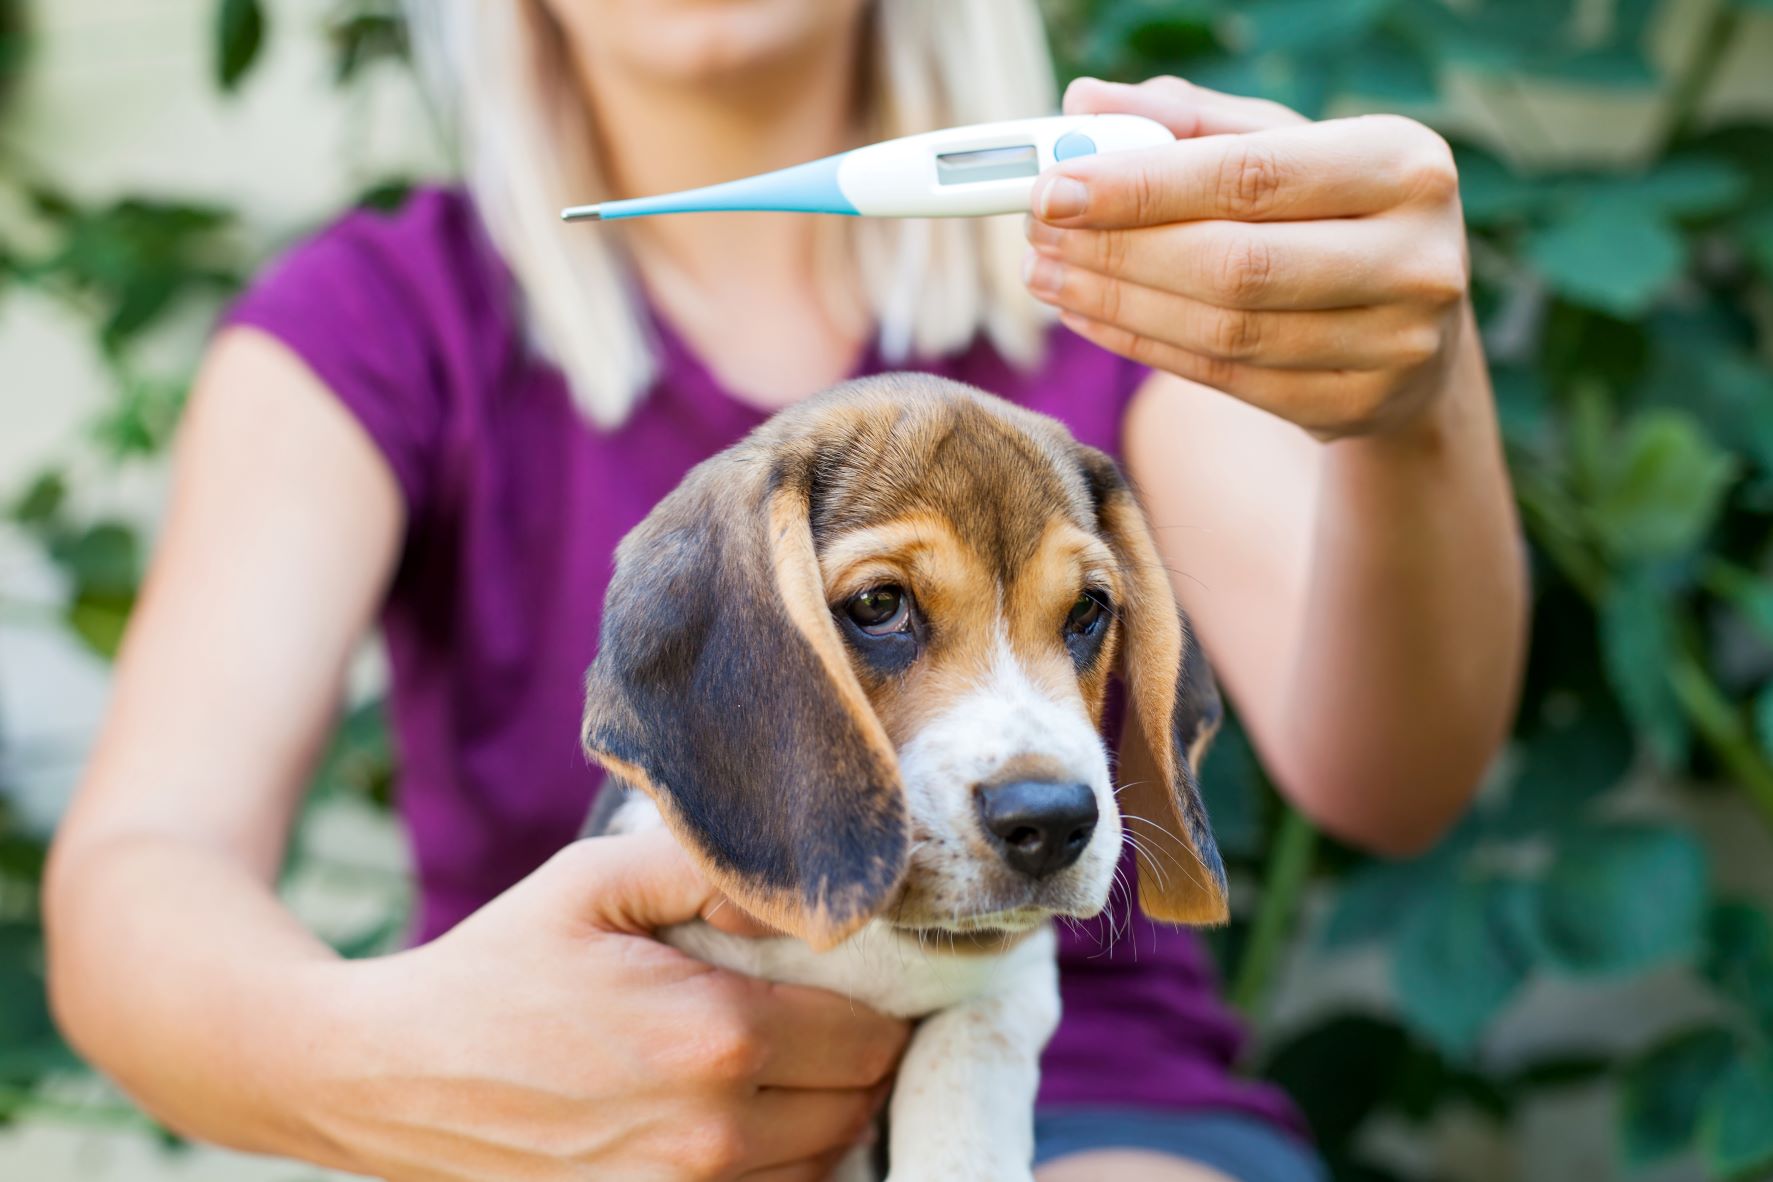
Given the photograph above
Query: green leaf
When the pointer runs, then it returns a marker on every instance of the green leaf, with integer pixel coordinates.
(1293, 80)
(1339, 1072)
(1621, 898)
(1637, 647)
(1490, 191)
(1619, 66)
(1746, 592)
(1374, 900)
(1764, 717)
(102, 558)
(15, 47)
(1388, 68)
(1311, 25)
(28, 1041)
(1736, 1131)
(239, 35)
(1458, 960)
(136, 258)
(1664, 1090)
(1522, 405)
(40, 505)
(385, 196)
(1738, 958)
(1692, 185)
(1616, 254)
(1659, 490)
(99, 618)
(1232, 787)
(141, 421)
(1757, 239)
(1562, 768)
(363, 38)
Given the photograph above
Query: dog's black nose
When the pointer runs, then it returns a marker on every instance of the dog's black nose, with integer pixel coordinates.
(1039, 827)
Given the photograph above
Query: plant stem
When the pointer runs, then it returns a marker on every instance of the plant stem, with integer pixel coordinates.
(1283, 889)
(1690, 89)
(1720, 724)
(1712, 713)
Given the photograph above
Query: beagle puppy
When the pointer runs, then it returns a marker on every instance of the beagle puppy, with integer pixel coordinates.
(857, 665)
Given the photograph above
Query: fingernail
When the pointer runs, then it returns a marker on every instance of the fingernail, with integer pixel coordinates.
(1043, 276)
(1061, 197)
(1041, 234)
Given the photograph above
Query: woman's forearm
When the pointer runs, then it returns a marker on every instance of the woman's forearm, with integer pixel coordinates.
(177, 972)
(1412, 631)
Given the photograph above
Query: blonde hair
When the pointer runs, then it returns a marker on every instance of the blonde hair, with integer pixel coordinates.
(501, 75)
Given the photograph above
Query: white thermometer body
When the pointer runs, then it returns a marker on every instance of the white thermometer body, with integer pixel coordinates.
(987, 168)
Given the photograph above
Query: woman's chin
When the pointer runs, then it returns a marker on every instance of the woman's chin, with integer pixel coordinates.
(705, 42)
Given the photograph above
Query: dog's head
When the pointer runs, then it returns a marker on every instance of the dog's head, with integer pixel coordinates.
(860, 660)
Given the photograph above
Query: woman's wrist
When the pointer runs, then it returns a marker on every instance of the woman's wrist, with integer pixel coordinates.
(318, 1026)
(1452, 410)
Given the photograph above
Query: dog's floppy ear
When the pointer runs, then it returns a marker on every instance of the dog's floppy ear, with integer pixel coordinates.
(722, 690)
(1175, 706)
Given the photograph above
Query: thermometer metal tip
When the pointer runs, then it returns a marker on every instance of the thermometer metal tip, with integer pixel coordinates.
(582, 213)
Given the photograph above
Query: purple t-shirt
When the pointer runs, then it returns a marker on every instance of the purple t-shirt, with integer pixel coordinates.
(515, 505)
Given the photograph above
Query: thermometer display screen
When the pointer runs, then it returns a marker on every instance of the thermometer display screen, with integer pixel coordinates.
(986, 164)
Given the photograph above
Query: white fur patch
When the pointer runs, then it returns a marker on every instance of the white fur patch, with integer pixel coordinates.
(1008, 717)
(963, 1104)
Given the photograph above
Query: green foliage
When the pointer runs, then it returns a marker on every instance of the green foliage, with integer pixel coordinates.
(1629, 314)
(1637, 643)
(362, 37)
(1622, 898)
(1616, 255)
(1460, 955)
(1664, 1091)
(130, 267)
(1735, 1130)
(1629, 318)
(239, 35)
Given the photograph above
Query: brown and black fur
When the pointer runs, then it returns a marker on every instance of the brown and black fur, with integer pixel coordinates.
(726, 691)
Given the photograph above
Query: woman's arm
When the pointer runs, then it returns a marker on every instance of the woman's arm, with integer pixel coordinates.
(548, 1031)
(172, 963)
(1363, 601)
(1320, 456)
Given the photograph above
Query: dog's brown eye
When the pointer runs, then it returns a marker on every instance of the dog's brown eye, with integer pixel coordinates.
(1086, 614)
(880, 610)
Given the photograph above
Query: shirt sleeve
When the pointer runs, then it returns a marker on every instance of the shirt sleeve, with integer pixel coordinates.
(348, 304)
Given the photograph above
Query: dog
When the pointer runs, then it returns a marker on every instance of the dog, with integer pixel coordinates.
(857, 664)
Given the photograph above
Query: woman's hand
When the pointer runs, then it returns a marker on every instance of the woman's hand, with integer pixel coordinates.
(550, 1036)
(1315, 270)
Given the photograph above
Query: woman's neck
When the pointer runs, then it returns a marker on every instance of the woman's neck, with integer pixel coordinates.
(763, 298)
(659, 135)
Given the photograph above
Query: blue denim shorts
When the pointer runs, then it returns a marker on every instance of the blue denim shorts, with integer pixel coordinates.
(1238, 1146)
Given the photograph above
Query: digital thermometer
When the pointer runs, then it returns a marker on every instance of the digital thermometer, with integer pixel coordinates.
(956, 172)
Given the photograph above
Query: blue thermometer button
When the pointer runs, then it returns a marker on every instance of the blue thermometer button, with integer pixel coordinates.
(1073, 143)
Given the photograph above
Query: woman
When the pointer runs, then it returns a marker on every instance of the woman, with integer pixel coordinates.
(451, 415)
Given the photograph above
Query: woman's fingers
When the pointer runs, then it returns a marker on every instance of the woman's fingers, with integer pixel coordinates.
(810, 1038)
(1347, 263)
(1340, 338)
(816, 1169)
(1339, 401)
(1186, 109)
(786, 1127)
(1337, 168)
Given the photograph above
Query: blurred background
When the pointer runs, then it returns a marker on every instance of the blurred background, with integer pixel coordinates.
(1578, 984)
